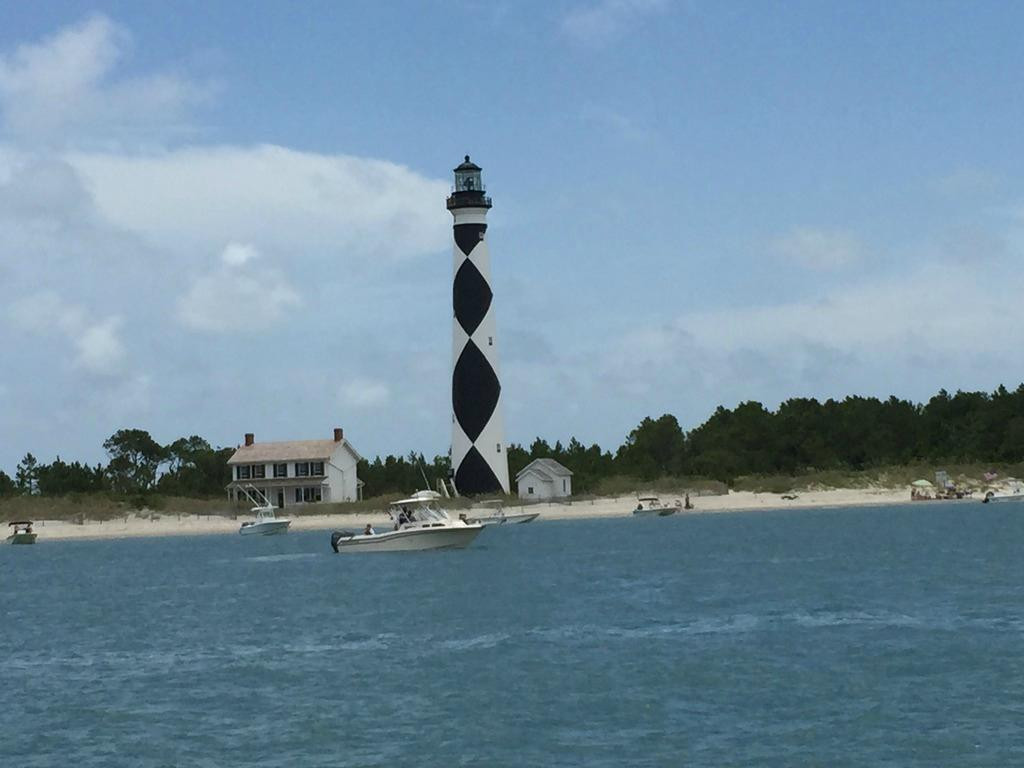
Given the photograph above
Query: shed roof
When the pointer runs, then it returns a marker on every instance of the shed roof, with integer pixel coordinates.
(548, 467)
(292, 450)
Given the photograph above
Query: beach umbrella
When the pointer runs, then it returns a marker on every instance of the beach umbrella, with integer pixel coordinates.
(921, 484)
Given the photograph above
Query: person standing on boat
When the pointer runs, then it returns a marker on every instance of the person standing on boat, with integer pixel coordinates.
(368, 531)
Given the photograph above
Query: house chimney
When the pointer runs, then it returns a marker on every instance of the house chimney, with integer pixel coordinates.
(250, 438)
(339, 434)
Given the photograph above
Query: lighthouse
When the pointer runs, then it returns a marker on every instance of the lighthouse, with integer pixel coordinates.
(479, 461)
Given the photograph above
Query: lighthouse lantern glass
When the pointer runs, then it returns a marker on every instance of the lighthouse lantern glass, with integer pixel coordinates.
(468, 181)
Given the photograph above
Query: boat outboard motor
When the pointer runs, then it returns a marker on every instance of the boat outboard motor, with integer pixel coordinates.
(338, 536)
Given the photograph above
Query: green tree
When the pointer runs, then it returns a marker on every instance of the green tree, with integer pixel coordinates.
(194, 468)
(135, 458)
(656, 447)
(60, 478)
(26, 477)
(7, 485)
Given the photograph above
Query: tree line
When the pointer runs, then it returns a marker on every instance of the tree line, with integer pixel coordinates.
(138, 464)
(802, 435)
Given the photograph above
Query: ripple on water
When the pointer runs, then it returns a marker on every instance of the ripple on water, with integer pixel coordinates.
(876, 618)
(282, 558)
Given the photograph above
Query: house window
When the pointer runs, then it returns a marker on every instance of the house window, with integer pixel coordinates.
(259, 471)
(302, 469)
(280, 470)
(312, 494)
(316, 469)
(490, 341)
(244, 471)
(298, 495)
(563, 485)
(499, 447)
(529, 490)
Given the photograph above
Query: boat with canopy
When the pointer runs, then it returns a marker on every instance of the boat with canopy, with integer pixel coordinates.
(652, 506)
(419, 523)
(22, 532)
(267, 523)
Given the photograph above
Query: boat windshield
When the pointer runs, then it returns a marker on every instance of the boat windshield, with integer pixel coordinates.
(420, 512)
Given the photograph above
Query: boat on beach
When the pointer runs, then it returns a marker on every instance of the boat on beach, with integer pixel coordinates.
(267, 523)
(652, 506)
(493, 513)
(420, 523)
(22, 533)
(1013, 492)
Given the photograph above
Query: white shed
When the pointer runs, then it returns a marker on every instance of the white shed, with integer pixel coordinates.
(544, 479)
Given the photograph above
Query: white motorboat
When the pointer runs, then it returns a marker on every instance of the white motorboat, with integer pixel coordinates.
(22, 533)
(493, 513)
(652, 506)
(267, 523)
(419, 523)
(1012, 492)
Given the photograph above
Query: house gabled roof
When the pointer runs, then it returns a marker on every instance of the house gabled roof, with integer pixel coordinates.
(545, 467)
(293, 450)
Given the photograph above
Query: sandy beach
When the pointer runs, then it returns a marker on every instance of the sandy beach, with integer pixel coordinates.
(171, 524)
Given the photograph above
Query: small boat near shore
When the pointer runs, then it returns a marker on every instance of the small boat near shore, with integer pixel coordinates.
(267, 523)
(420, 523)
(652, 506)
(493, 513)
(22, 533)
(1016, 494)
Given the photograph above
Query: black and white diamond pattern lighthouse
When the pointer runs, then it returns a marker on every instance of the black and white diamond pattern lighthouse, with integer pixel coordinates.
(479, 463)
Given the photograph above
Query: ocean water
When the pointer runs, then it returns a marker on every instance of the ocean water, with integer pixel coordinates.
(839, 637)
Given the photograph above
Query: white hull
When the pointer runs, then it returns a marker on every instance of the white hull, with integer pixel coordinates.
(265, 528)
(411, 539)
(992, 497)
(518, 518)
(657, 512)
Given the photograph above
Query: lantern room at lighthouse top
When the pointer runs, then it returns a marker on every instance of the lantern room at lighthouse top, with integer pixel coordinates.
(469, 187)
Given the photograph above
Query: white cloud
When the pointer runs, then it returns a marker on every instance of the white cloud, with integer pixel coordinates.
(99, 347)
(969, 183)
(280, 199)
(598, 23)
(236, 254)
(112, 250)
(942, 307)
(364, 393)
(943, 323)
(97, 342)
(63, 86)
(615, 123)
(237, 295)
(818, 249)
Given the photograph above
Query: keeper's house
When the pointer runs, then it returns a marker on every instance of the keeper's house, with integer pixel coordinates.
(296, 472)
(544, 479)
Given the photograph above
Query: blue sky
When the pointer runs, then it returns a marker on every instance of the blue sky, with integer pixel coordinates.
(228, 217)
